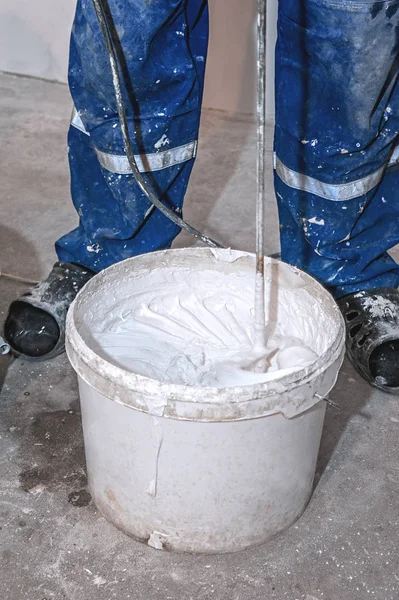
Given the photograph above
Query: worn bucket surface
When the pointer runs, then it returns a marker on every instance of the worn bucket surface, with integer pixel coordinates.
(202, 469)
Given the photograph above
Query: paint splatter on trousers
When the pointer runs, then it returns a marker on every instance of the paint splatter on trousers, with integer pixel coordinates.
(336, 138)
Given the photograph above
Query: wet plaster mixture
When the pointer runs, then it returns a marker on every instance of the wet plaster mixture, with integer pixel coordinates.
(197, 328)
(54, 545)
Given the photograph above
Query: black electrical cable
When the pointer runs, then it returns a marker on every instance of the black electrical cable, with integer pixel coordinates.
(109, 46)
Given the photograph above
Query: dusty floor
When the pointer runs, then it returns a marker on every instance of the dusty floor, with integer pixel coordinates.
(53, 542)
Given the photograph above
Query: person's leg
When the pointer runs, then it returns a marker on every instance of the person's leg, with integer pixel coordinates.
(337, 126)
(337, 164)
(162, 47)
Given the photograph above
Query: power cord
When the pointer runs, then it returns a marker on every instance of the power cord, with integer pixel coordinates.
(17, 278)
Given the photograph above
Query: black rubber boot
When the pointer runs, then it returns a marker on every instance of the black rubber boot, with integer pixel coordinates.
(35, 325)
(372, 339)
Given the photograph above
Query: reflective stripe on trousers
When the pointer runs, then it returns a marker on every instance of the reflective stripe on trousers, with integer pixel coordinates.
(336, 140)
(156, 161)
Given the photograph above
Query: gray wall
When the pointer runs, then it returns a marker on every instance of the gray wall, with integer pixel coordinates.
(34, 38)
(231, 69)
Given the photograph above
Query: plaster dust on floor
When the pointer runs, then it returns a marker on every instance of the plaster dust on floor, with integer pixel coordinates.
(345, 544)
(196, 328)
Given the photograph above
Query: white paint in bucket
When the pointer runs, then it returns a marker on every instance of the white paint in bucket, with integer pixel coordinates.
(184, 327)
(203, 469)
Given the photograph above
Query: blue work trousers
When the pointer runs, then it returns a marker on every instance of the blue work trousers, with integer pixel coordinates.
(336, 138)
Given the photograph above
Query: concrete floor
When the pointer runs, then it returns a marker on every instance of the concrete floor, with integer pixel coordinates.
(53, 542)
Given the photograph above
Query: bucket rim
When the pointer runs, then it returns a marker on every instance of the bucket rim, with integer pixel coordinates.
(181, 401)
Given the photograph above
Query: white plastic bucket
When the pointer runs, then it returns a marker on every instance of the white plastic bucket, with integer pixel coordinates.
(201, 469)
